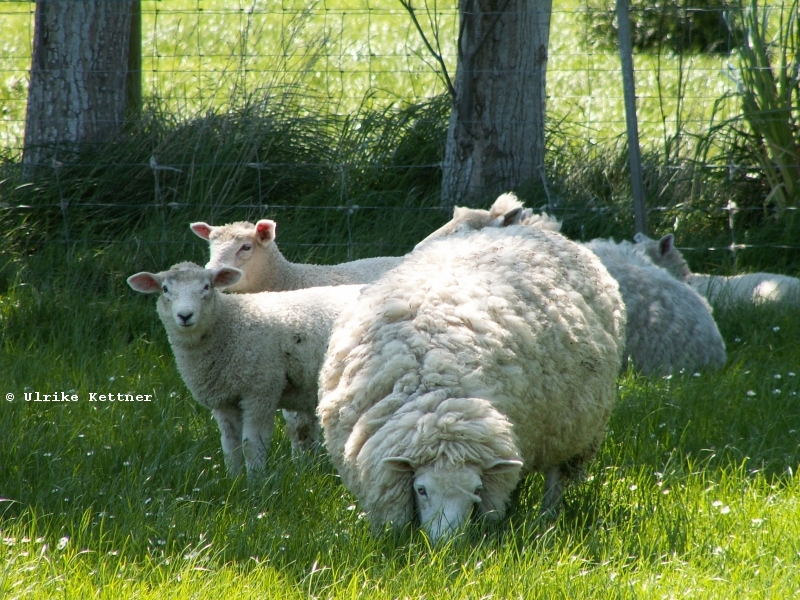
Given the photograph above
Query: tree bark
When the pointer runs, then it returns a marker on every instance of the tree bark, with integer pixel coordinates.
(77, 93)
(495, 141)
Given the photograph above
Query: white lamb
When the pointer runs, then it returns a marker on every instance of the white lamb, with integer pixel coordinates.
(483, 356)
(251, 248)
(723, 291)
(670, 326)
(245, 355)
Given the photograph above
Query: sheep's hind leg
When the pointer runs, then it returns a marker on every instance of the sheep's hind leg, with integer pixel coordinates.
(303, 431)
(229, 421)
(556, 480)
(554, 484)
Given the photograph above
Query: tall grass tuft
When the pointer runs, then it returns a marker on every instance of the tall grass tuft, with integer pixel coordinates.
(768, 83)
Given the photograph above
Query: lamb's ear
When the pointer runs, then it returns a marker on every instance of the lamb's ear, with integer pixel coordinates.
(225, 276)
(666, 243)
(265, 230)
(201, 229)
(499, 465)
(144, 282)
(399, 463)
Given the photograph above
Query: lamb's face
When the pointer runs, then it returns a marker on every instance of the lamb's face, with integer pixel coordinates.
(186, 301)
(240, 246)
(187, 294)
(445, 497)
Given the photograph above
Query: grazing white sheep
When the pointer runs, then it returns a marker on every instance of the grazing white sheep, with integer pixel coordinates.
(670, 326)
(721, 290)
(483, 356)
(244, 356)
(251, 248)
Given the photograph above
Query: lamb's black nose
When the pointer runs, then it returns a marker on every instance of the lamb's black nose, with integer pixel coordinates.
(185, 318)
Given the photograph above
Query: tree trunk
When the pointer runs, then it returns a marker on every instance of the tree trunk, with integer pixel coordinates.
(77, 92)
(495, 142)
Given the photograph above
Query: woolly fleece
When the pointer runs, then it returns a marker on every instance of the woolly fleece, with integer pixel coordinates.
(500, 343)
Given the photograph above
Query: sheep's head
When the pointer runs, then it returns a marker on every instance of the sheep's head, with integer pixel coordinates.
(505, 211)
(446, 494)
(664, 254)
(187, 294)
(239, 245)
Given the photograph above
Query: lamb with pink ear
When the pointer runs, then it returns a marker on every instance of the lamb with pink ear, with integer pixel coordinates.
(244, 356)
(251, 248)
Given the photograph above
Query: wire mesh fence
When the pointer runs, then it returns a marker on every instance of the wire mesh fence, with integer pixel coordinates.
(340, 56)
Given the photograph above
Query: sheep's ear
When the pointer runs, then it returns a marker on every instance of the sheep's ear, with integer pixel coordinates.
(666, 243)
(147, 283)
(225, 276)
(499, 465)
(399, 463)
(265, 230)
(201, 229)
(512, 217)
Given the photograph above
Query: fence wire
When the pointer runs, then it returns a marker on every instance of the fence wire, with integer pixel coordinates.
(204, 54)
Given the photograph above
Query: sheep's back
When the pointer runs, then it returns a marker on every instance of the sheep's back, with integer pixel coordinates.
(521, 317)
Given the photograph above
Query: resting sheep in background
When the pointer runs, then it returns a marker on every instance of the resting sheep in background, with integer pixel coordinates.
(670, 326)
(244, 356)
(723, 291)
(483, 356)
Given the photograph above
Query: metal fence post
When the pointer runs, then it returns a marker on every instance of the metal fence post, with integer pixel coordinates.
(634, 154)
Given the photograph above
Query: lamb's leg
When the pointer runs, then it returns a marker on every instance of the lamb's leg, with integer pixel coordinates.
(303, 430)
(229, 421)
(258, 419)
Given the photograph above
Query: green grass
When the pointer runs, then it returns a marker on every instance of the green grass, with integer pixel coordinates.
(693, 494)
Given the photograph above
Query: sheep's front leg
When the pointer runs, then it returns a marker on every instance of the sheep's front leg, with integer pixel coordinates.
(229, 421)
(303, 430)
(554, 483)
(258, 420)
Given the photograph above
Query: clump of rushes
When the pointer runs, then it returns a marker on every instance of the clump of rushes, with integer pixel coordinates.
(768, 83)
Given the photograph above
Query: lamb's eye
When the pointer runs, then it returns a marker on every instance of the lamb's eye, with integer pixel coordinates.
(246, 247)
(164, 289)
(421, 490)
(206, 287)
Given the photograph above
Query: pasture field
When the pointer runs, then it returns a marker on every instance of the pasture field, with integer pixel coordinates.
(694, 494)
